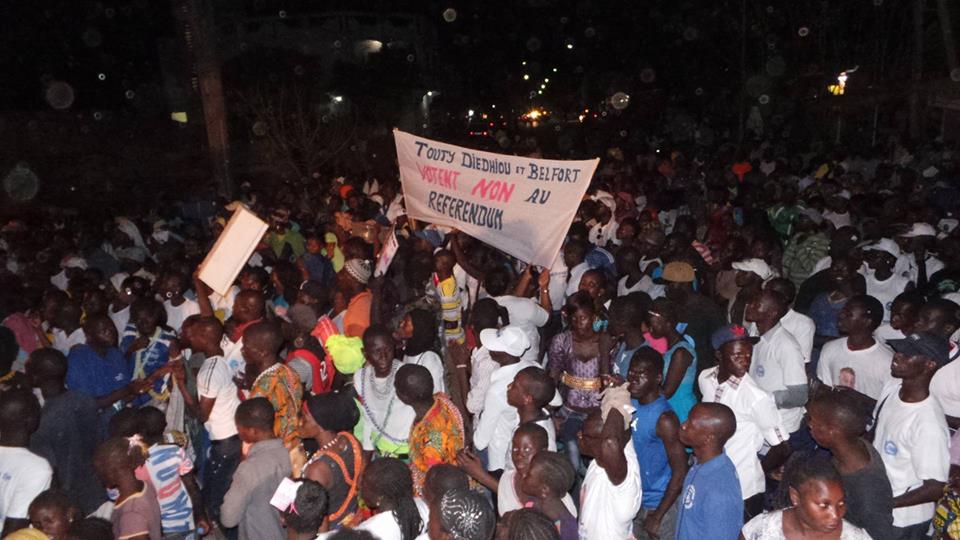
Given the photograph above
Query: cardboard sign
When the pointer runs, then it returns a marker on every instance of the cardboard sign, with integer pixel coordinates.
(233, 248)
(522, 206)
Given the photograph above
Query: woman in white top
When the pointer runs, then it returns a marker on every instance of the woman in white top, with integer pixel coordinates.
(385, 421)
(816, 509)
(418, 333)
(387, 489)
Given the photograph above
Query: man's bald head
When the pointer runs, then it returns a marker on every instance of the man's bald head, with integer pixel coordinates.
(716, 420)
(414, 383)
(264, 336)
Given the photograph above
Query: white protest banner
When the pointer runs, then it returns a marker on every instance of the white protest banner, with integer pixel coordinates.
(232, 250)
(387, 253)
(522, 206)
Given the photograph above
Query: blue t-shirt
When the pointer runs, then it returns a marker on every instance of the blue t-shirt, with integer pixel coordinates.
(655, 469)
(683, 399)
(96, 376)
(711, 505)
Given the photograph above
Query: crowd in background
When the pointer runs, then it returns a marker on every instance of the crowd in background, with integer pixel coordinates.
(753, 345)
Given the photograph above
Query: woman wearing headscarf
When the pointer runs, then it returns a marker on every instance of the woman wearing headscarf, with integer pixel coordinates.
(352, 298)
(329, 420)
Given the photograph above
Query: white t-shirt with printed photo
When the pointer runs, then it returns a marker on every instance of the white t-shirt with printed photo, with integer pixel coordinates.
(867, 371)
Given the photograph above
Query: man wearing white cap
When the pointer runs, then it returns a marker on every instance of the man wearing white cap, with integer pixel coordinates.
(883, 281)
(915, 242)
(751, 274)
(499, 419)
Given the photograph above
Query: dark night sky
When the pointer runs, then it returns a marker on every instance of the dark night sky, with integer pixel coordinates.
(690, 50)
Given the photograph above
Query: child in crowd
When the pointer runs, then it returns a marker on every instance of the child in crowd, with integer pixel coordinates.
(548, 479)
(136, 512)
(53, 513)
(307, 514)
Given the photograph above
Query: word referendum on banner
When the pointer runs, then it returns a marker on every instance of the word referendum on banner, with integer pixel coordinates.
(520, 205)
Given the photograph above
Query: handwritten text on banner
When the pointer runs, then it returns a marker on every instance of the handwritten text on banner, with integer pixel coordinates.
(520, 205)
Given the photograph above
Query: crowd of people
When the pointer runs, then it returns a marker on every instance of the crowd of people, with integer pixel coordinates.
(745, 347)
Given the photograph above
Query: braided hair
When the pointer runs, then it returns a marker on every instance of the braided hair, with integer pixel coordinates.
(309, 508)
(466, 515)
(801, 468)
(529, 524)
(389, 479)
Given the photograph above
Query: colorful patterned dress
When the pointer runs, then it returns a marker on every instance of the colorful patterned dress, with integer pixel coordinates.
(281, 386)
(435, 439)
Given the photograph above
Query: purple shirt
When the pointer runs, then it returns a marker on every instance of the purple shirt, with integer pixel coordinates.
(561, 359)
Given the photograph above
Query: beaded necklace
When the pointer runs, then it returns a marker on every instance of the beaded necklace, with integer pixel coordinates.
(381, 430)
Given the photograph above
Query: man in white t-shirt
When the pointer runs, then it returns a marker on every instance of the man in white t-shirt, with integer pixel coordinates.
(67, 331)
(880, 274)
(778, 365)
(611, 492)
(798, 324)
(23, 474)
(178, 307)
(911, 432)
(858, 361)
(218, 405)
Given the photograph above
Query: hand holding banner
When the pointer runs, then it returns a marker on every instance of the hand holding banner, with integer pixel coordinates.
(520, 205)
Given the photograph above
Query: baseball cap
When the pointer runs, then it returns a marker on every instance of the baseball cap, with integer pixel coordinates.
(884, 244)
(509, 339)
(923, 344)
(757, 266)
(919, 229)
(731, 332)
(677, 272)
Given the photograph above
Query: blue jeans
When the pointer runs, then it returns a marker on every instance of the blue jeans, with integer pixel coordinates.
(572, 423)
(218, 473)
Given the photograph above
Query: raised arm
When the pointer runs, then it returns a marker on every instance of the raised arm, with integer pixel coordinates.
(458, 252)
(611, 448)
